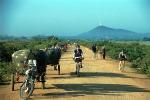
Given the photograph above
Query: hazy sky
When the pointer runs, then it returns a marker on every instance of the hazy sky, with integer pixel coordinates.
(70, 17)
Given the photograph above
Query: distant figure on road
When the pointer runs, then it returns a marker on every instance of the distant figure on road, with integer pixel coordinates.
(99, 52)
(94, 49)
(122, 58)
(103, 52)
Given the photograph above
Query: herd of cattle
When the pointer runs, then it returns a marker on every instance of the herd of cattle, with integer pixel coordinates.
(50, 56)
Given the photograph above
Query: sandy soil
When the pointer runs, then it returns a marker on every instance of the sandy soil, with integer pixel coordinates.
(99, 80)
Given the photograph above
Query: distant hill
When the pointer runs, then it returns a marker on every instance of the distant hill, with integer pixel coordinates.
(106, 33)
(97, 33)
(4, 37)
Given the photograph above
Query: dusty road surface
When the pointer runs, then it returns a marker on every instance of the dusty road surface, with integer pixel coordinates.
(99, 80)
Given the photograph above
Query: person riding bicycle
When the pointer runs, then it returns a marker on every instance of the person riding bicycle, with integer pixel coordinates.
(78, 54)
(32, 61)
(122, 58)
(37, 60)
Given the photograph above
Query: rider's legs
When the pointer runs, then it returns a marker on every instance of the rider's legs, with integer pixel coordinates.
(121, 65)
(78, 62)
(77, 68)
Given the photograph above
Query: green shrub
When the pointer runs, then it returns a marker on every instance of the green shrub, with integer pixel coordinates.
(6, 69)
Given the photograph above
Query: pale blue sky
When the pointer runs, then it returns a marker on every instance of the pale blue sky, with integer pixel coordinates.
(71, 17)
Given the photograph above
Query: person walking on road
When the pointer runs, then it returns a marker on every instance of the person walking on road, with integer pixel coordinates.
(99, 51)
(94, 49)
(103, 52)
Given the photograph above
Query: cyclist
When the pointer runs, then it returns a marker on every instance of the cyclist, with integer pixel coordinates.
(78, 55)
(32, 65)
(37, 59)
(122, 58)
(32, 60)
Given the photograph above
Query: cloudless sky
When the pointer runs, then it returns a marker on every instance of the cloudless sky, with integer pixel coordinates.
(71, 17)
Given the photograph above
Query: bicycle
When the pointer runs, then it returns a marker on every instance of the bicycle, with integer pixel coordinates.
(78, 61)
(27, 87)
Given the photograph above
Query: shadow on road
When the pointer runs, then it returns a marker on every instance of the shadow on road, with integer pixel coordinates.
(102, 74)
(93, 89)
(94, 75)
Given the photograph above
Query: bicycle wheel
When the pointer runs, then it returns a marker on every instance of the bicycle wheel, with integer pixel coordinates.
(78, 69)
(26, 89)
(43, 85)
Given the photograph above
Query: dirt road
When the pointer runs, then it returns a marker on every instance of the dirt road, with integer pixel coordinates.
(99, 80)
